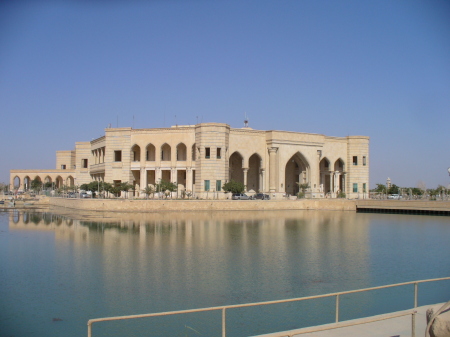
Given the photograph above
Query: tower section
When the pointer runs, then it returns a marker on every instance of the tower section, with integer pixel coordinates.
(357, 175)
(211, 165)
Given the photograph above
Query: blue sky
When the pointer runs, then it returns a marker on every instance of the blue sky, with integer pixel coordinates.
(375, 68)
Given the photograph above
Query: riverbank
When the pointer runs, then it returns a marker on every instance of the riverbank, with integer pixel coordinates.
(128, 205)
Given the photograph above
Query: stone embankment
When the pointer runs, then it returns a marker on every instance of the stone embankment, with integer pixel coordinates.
(125, 205)
(138, 205)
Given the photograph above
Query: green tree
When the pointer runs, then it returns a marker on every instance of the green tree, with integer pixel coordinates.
(36, 184)
(233, 187)
(381, 188)
(303, 188)
(165, 186)
(394, 189)
(125, 187)
(149, 190)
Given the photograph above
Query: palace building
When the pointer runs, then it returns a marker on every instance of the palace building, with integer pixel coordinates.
(201, 158)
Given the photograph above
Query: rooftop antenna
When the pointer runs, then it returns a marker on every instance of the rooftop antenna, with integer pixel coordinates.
(245, 120)
(117, 120)
(133, 121)
(176, 121)
(197, 119)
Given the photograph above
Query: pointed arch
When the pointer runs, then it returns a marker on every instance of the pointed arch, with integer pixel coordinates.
(135, 153)
(339, 165)
(254, 173)
(16, 182)
(150, 152)
(70, 181)
(297, 171)
(166, 152)
(59, 182)
(339, 168)
(236, 167)
(325, 164)
(325, 175)
(181, 152)
(26, 183)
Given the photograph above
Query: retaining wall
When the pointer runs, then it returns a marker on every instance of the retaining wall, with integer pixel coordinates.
(124, 205)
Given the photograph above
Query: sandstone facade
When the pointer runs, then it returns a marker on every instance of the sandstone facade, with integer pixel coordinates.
(201, 158)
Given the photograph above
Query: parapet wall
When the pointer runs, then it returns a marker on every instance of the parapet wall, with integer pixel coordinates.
(124, 205)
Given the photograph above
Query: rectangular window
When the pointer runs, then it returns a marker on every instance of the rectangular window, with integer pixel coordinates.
(218, 185)
(207, 152)
(355, 160)
(364, 187)
(364, 160)
(206, 185)
(355, 188)
(193, 177)
(219, 150)
(84, 163)
(117, 155)
(63, 167)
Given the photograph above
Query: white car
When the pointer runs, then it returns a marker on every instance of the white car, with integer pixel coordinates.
(394, 196)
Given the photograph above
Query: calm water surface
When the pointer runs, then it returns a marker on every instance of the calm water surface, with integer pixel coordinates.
(59, 270)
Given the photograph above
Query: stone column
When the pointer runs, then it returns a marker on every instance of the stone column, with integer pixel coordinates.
(331, 174)
(344, 183)
(143, 178)
(157, 175)
(273, 169)
(189, 179)
(261, 181)
(336, 181)
(173, 175)
(245, 169)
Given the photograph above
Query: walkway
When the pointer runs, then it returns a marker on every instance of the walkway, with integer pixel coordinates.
(393, 327)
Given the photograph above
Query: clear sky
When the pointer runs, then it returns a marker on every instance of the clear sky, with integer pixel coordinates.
(68, 69)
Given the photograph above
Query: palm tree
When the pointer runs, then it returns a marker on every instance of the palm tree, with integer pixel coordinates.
(149, 190)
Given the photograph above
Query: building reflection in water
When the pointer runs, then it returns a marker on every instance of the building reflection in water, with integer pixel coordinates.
(289, 253)
(109, 264)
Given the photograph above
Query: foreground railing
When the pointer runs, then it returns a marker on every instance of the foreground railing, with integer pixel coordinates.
(293, 332)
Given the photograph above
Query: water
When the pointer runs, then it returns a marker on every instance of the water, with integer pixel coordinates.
(59, 270)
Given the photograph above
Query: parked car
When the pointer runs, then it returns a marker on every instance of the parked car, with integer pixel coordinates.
(84, 195)
(261, 196)
(239, 196)
(394, 196)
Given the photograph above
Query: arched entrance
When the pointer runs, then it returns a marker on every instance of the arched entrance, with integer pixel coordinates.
(16, 182)
(339, 168)
(296, 173)
(254, 173)
(325, 176)
(236, 171)
(48, 183)
(26, 183)
(58, 182)
(70, 181)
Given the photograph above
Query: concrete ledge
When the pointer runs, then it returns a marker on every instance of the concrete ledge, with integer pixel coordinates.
(125, 205)
(404, 204)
